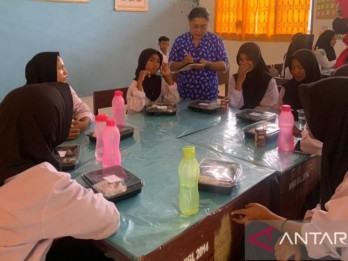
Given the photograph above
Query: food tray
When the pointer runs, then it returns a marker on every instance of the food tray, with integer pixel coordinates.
(252, 115)
(204, 106)
(125, 132)
(68, 156)
(272, 129)
(218, 176)
(166, 109)
(115, 183)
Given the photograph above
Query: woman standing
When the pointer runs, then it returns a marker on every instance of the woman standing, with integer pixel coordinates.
(206, 50)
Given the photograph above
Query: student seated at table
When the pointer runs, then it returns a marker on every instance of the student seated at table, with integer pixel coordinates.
(304, 69)
(41, 206)
(149, 87)
(49, 67)
(325, 52)
(326, 108)
(253, 86)
(299, 41)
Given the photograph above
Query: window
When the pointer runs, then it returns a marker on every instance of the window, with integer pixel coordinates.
(262, 20)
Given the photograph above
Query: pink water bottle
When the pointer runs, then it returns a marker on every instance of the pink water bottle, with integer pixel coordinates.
(100, 122)
(111, 139)
(286, 123)
(118, 108)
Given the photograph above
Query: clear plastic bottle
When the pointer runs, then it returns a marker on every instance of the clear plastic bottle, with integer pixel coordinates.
(118, 108)
(111, 139)
(286, 124)
(100, 123)
(188, 172)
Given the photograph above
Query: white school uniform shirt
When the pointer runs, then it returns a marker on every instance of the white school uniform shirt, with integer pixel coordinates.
(326, 66)
(136, 100)
(41, 204)
(335, 219)
(269, 101)
(80, 109)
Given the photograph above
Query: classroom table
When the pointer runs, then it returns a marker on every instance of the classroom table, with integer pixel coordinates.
(151, 225)
(297, 175)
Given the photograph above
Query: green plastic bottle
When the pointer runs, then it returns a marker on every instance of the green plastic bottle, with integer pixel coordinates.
(188, 178)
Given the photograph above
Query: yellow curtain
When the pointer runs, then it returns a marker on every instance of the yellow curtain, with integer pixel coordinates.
(265, 20)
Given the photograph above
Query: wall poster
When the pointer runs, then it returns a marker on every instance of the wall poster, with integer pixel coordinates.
(66, 1)
(326, 9)
(131, 5)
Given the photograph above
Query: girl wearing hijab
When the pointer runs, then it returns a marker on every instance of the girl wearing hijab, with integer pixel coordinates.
(304, 69)
(253, 86)
(34, 195)
(147, 86)
(325, 52)
(321, 100)
(49, 67)
(299, 41)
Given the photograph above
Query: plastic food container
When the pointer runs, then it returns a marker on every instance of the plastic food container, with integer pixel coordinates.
(272, 130)
(252, 115)
(166, 109)
(68, 156)
(115, 183)
(204, 106)
(218, 176)
(125, 132)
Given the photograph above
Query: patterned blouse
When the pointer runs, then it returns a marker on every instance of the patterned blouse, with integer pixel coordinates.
(198, 84)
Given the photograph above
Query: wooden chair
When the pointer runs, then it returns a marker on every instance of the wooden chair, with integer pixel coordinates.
(224, 79)
(103, 99)
(341, 71)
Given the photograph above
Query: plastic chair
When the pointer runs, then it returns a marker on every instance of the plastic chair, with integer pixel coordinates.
(341, 71)
(103, 99)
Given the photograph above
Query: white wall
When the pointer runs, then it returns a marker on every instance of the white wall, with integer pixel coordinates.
(272, 52)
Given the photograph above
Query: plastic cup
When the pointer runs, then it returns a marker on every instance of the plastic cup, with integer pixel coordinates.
(224, 105)
(301, 118)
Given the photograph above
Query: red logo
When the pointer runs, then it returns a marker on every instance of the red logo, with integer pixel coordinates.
(254, 239)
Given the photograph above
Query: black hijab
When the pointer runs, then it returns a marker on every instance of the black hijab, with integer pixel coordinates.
(325, 104)
(34, 119)
(309, 63)
(323, 42)
(152, 85)
(256, 82)
(42, 68)
(299, 41)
